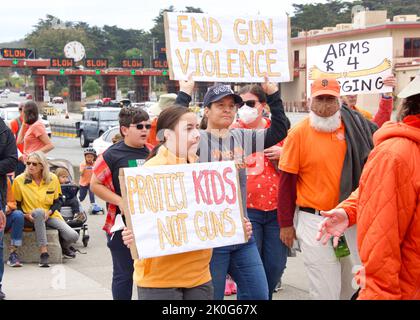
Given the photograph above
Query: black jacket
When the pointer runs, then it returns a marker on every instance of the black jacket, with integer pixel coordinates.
(8, 159)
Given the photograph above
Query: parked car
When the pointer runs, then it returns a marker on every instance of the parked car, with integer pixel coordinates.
(22, 94)
(29, 96)
(91, 104)
(4, 95)
(10, 111)
(105, 140)
(95, 122)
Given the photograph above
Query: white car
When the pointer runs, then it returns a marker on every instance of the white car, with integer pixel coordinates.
(10, 112)
(105, 140)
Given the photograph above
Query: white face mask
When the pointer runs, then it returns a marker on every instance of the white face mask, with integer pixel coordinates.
(248, 114)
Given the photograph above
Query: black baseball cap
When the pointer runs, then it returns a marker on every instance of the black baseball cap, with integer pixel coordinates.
(219, 91)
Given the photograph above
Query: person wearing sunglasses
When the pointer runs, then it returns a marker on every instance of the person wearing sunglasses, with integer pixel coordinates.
(129, 152)
(262, 186)
(37, 192)
(221, 143)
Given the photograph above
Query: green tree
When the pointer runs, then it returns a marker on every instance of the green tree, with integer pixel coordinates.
(319, 15)
(133, 53)
(394, 7)
(91, 87)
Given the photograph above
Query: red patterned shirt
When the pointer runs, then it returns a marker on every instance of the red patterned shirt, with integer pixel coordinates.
(262, 178)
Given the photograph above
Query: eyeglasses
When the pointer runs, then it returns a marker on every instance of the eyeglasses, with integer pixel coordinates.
(140, 126)
(29, 163)
(249, 103)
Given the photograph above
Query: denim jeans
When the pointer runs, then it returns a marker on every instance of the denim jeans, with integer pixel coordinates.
(123, 268)
(15, 221)
(244, 264)
(272, 250)
(83, 192)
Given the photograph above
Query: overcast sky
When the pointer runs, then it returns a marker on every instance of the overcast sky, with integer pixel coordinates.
(18, 17)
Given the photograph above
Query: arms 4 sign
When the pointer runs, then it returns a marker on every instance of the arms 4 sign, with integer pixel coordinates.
(180, 208)
(359, 66)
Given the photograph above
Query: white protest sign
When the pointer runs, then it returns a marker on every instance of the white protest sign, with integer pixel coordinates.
(179, 208)
(227, 48)
(359, 66)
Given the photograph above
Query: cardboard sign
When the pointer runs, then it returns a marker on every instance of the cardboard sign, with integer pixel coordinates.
(180, 208)
(227, 48)
(360, 66)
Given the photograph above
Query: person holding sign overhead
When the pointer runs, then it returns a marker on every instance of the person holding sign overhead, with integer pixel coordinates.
(183, 276)
(219, 143)
(130, 152)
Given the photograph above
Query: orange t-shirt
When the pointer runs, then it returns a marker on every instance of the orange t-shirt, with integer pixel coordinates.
(317, 158)
(152, 134)
(14, 126)
(31, 141)
(87, 174)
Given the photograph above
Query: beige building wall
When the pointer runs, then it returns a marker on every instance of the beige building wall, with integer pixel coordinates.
(404, 68)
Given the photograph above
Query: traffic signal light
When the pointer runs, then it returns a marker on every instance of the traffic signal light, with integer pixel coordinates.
(62, 72)
(15, 61)
(164, 72)
(97, 72)
(133, 72)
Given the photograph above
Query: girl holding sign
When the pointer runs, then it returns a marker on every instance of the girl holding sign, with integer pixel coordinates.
(183, 276)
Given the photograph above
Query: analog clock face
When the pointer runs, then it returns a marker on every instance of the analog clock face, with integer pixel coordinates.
(74, 50)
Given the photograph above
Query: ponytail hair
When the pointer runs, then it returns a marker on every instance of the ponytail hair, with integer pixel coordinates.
(168, 119)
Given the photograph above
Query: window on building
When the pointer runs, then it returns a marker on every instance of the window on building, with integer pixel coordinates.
(411, 47)
(296, 60)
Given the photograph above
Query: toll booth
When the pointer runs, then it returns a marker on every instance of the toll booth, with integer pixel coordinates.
(75, 87)
(109, 87)
(172, 86)
(39, 87)
(141, 88)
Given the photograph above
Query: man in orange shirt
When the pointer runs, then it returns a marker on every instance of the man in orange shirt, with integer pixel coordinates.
(321, 163)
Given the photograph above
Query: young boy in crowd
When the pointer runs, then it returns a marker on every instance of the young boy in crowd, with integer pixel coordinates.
(86, 170)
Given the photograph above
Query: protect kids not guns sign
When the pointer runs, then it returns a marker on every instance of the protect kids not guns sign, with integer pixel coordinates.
(180, 208)
(227, 48)
(359, 66)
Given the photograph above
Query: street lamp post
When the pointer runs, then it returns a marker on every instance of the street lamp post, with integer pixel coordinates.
(154, 57)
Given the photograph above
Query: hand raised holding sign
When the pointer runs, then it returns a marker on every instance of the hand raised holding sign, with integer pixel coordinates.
(187, 86)
(269, 87)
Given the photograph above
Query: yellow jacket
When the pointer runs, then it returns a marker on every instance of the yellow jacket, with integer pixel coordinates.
(34, 197)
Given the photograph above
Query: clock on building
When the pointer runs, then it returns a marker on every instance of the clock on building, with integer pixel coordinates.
(74, 50)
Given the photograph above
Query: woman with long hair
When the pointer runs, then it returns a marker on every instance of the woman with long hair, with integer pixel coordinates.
(37, 193)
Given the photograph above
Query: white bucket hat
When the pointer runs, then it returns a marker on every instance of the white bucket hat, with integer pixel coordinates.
(165, 101)
(412, 88)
